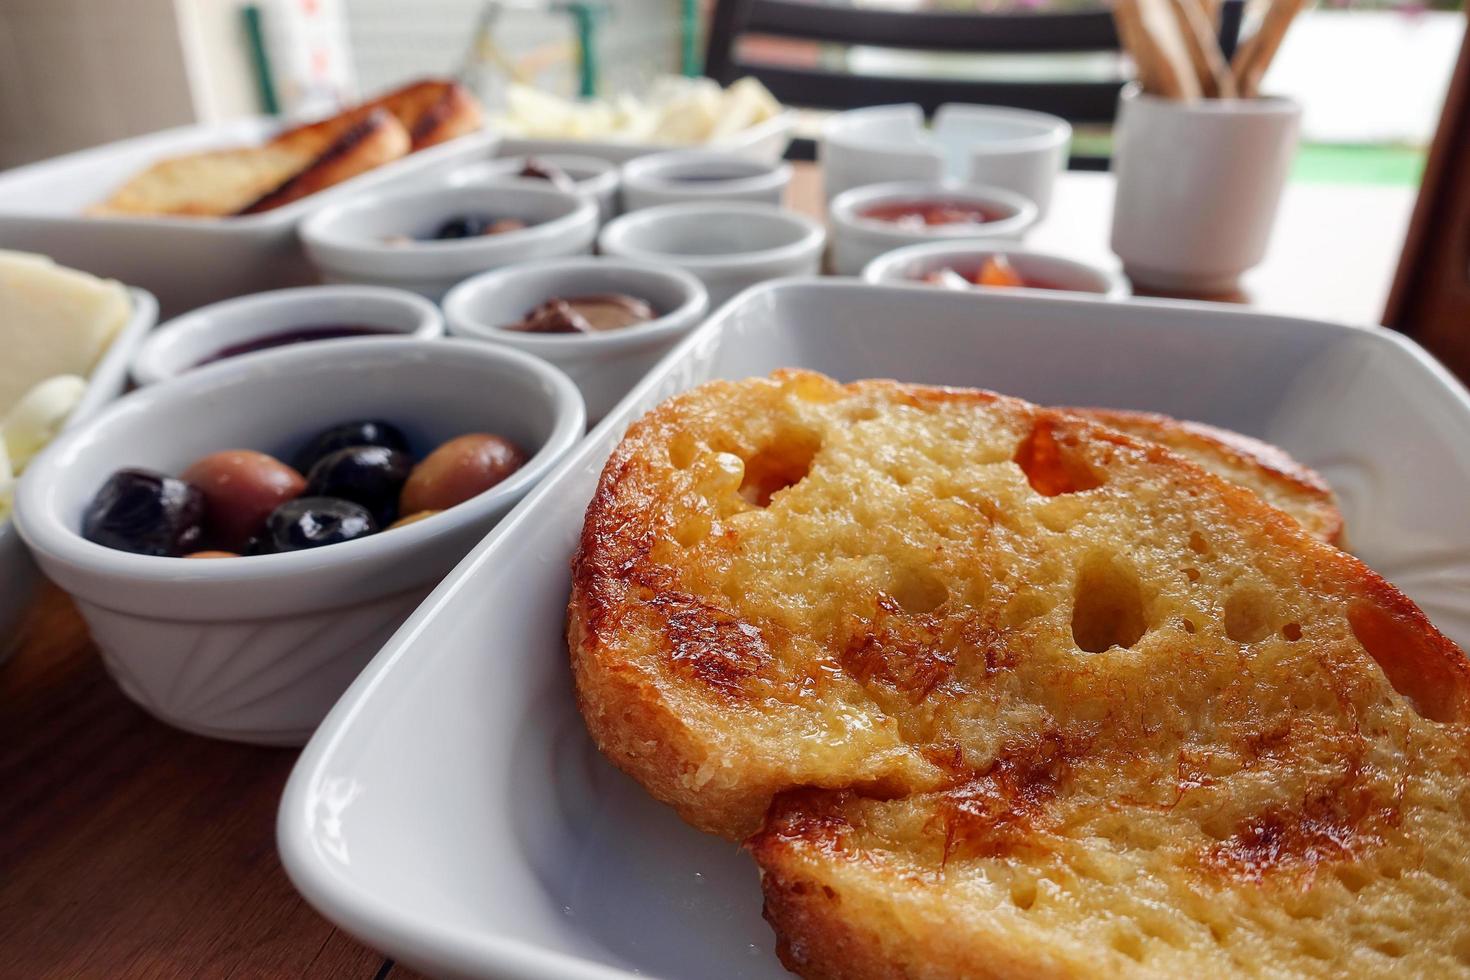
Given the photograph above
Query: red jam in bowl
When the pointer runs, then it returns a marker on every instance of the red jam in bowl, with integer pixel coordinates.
(915, 215)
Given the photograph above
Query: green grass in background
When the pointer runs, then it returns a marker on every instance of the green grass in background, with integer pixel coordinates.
(1322, 163)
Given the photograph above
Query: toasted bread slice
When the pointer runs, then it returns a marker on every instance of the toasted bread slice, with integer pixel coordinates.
(996, 690)
(1268, 470)
(433, 111)
(210, 184)
(376, 139)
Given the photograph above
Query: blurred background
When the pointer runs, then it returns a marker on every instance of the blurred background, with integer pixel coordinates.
(76, 73)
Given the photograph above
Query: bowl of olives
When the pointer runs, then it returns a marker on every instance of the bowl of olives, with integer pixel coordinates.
(428, 239)
(589, 176)
(604, 321)
(243, 538)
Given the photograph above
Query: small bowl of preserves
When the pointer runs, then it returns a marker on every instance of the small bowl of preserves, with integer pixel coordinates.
(692, 176)
(308, 468)
(248, 324)
(604, 321)
(590, 176)
(868, 221)
(965, 265)
(428, 240)
(727, 245)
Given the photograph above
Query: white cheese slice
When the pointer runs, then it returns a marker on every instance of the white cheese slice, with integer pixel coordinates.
(38, 417)
(53, 321)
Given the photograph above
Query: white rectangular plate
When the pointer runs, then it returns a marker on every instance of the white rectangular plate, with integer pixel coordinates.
(452, 811)
(186, 262)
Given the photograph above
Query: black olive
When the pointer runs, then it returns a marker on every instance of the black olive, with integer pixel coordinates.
(372, 476)
(463, 226)
(365, 432)
(311, 522)
(146, 513)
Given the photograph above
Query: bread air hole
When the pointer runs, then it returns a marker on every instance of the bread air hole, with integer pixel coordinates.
(1054, 466)
(1250, 614)
(782, 464)
(918, 590)
(1107, 609)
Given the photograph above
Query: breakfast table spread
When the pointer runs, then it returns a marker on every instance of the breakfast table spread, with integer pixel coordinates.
(128, 848)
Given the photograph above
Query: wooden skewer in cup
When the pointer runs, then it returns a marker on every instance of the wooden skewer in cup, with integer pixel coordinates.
(1254, 56)
(1203, 45)
(1151, 35)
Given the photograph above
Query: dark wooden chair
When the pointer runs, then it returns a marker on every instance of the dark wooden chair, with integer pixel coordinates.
(947, 31)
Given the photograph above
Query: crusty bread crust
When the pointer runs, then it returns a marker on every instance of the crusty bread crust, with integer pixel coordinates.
(376, 139)
(994, 690)
(1273, 474)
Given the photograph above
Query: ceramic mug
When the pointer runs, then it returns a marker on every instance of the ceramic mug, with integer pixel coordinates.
(1198, 187)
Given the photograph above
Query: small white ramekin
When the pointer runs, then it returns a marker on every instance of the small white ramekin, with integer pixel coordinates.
(256, 649)
(856, 240)
(912, 263)
(594, 177)
(727, 246)
(348, 242)
(603, 365)
(701, 176)
(179, 345)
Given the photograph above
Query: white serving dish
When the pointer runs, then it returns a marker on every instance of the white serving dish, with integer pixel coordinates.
(700, 176)
(726, 245)
(603, 365)
(348, 242)
(186, 262)
(179, 345)
(857, 240)
(256, 649)
(910, 264)
(1017, 149)
(452, 811)
(594, 176)
(765, 140)
(18, 573)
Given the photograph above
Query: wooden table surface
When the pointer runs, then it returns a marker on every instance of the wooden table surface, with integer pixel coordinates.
(130, 849)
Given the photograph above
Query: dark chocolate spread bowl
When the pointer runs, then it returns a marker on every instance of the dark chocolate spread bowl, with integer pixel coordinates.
(604, 321)
(265, 321)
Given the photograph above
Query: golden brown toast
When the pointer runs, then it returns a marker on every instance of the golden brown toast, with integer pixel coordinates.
(376, 139)
(300, 160)
(991, 689)
(1268, 470)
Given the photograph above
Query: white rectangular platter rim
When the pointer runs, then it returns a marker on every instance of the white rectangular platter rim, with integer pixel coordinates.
(451, 810)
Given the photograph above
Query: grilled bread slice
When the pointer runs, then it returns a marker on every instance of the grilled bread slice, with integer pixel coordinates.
(994, 690)
(376, 139)
(1277, 478)
(300, 160)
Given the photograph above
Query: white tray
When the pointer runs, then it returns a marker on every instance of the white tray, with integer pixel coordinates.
(452, 812)
(186, 262)
(765, 141)
(18, 574)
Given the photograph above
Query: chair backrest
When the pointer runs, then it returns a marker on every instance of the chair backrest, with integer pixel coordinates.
(1078, 101)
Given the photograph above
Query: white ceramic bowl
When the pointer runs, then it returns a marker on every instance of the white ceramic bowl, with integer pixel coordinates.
(256, 649)
(912, 263)
(603, 365)
(18, 574)
(727, 246)
(179, 345)
(689, 176)
(349, 242)
(1014, 149)
(595, 177)
(856, 240)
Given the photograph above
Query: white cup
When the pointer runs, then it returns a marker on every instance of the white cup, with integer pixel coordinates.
(1198, 187)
